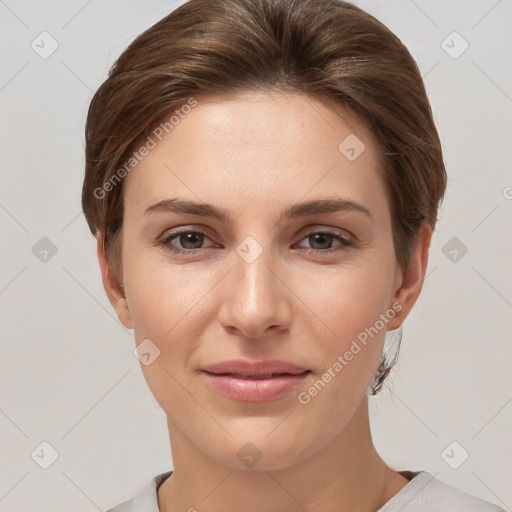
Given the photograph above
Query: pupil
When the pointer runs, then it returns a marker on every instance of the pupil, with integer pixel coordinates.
(320, 237)
(188, 238)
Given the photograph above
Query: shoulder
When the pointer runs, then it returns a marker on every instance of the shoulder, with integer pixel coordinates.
(425, 493)
(146, 499)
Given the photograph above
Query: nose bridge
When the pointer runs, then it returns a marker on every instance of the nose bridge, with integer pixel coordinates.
(256, 298)
(253, 271)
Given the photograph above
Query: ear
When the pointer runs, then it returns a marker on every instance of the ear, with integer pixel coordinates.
(113, 288)
(410, 282)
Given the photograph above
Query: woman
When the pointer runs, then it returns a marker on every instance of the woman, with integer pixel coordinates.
(263, 178)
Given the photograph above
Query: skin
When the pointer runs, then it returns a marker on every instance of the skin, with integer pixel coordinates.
(255, 154)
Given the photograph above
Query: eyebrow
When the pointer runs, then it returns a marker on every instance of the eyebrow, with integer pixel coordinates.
(327, 205)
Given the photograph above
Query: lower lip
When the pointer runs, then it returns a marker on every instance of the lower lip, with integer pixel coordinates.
(255, 390)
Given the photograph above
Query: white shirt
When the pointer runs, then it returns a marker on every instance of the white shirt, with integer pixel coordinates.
(423, 493)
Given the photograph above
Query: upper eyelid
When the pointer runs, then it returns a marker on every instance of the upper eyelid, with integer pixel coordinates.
(305, 233)
(172, 233)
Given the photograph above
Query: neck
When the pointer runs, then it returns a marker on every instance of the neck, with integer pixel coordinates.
(347, 474)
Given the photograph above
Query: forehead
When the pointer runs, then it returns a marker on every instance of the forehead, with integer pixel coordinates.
(280, 119)
(259, 142)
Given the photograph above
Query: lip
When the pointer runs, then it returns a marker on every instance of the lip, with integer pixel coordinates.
(260, 381)
(254, 368)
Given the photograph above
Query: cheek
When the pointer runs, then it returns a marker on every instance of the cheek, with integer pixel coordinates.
(348, 299)
(167, 306)
(163, 307)
(171, 305)
(160, 296)
(337, 307)
(350, 338)
(350, 302)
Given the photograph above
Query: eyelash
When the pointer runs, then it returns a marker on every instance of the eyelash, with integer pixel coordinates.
(345, 243)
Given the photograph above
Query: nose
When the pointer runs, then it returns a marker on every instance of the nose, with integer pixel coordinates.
(256, 301)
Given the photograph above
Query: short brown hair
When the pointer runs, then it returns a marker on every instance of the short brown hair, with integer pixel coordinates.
(327, 48)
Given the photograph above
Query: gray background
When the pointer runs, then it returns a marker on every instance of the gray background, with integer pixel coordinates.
(68, 374)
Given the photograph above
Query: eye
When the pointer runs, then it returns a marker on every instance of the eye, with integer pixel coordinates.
(322, 241)
(189, 240)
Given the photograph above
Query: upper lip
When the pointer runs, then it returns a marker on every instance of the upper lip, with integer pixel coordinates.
(254, 369)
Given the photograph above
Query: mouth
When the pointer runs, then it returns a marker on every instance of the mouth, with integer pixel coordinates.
(261, 369)
(260, 388)
(255, 377)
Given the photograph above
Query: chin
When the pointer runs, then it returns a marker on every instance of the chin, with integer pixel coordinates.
(256, 450)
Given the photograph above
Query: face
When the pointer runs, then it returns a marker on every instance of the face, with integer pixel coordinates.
(293, 260)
